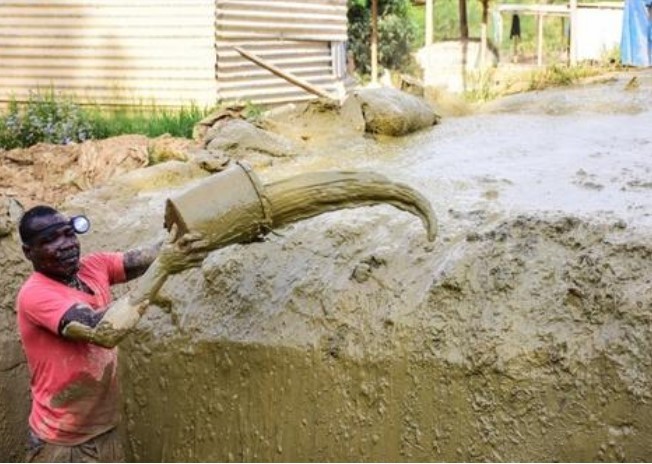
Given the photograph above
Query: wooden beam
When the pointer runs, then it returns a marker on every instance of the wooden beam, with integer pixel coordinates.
(291, 78)
(429, 22)
(464, 20)
(573, 32)
(374, 41)
(483, 34)
(539, 39)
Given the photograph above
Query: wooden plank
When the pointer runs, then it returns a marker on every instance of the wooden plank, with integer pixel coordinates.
(299, 82)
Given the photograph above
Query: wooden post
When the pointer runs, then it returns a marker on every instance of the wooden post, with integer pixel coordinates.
(291, 78)
(539, 39)
(464, 21)
(374, 41)
(483, 34)
(429, 22)
(573, 32)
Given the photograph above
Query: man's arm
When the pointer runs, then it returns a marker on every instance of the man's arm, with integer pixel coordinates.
(137, 261)
(109, 326)
(106, 327)
(82, 314)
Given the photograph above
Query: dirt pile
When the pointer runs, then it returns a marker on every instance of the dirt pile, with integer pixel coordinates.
(348, 337)
(523, 342)
(46, 173)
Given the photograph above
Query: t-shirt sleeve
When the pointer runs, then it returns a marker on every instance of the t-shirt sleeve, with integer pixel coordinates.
(116, 268)
(44, 307)
(110, 264)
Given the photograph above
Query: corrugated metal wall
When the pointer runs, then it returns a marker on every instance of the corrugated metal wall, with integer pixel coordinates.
(171, 52)
(109, 51)
(295, 36)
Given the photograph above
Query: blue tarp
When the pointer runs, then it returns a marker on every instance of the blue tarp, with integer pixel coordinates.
(636, 41)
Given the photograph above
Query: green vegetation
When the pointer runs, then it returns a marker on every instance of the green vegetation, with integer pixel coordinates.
(559, 75)
(149, 120)
(397, 31)
(56, 118)
(45, 118)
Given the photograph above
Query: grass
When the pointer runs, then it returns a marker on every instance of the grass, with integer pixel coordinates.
(149, 120)
(57, 118)
(556, 75)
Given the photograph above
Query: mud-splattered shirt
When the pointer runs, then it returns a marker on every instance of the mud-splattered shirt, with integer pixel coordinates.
(74, 384)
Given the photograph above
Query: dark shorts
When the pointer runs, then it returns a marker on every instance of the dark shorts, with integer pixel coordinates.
(103, 448)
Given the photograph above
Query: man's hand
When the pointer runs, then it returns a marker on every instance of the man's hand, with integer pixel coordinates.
(180, 253)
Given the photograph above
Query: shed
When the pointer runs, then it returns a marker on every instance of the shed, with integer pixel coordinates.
(174, 52)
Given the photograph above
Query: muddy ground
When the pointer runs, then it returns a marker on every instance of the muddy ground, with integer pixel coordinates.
(521, 334)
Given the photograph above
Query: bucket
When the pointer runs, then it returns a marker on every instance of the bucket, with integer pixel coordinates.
(227, 207)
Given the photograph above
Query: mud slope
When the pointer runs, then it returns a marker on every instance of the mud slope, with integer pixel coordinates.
(526, 343)
(521, 334)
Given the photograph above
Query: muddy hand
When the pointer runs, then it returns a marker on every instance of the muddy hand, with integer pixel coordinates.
(180, 253)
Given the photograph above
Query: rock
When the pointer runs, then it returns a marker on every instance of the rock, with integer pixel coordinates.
(317, 124)
(10, 212)
(167, 148)
(209, 160)
(202, 127)
(237, 138)
(389, 111)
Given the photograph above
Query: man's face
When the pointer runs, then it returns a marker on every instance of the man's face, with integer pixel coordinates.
(54, 249)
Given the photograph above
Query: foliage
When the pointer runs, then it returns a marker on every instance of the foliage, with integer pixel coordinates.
(148, 120)
(56, 118)
(481, 85)
(561, 75)
(396, 33)
(46, 117)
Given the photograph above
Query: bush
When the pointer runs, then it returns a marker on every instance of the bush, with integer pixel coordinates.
(56, 118)
(44, 118)
(148, 120)
(396, 33)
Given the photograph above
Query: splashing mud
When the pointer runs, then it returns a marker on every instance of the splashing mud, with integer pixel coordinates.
(521, 334)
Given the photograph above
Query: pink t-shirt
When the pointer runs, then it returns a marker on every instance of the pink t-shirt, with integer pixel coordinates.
(74, 384)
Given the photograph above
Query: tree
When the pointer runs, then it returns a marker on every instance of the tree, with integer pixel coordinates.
(396, 33)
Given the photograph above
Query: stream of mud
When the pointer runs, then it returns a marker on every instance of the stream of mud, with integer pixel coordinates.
(521, 334)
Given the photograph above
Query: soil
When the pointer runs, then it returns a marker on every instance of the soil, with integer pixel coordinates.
(51, 174)
(521, 334)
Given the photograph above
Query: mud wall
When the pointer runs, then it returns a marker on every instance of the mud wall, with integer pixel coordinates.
(14, 376)
(524, 342)
(243, 402)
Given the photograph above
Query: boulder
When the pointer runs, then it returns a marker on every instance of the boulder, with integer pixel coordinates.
(388, 111)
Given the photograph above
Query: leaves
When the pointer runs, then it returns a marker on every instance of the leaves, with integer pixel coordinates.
(396, 32)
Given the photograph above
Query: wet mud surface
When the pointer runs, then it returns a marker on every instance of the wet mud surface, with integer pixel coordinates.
(522, 333)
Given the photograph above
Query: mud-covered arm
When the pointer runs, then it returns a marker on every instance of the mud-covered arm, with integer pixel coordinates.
(138, 260)
(109, 326)
(106, 327)
(175, 255)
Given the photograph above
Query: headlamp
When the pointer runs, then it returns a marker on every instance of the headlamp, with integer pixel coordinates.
(80, 224)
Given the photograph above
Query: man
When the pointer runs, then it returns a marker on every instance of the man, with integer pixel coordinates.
(75, 398)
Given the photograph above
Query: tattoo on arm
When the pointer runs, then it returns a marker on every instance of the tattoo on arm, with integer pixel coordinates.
(82, 314)
(137, 261)
(106, 327)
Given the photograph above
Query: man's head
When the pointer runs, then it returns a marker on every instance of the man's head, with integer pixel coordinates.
(50, 242)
